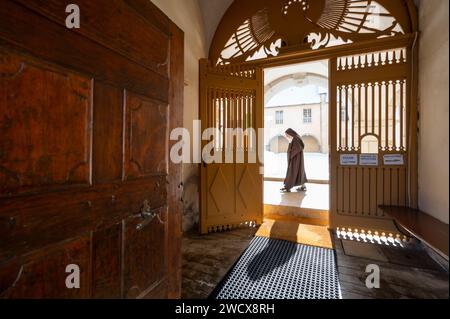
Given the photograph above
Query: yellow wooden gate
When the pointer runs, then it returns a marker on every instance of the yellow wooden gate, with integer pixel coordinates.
(231, 97)
(370, 100)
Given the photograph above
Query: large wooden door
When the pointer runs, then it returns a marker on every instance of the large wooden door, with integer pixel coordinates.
(372, 137)
(85, 177)
(231, 97)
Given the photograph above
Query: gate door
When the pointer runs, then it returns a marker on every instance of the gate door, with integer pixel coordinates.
(370, 158)
(231, 97)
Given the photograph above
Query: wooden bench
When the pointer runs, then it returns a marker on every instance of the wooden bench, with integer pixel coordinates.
(426, 228)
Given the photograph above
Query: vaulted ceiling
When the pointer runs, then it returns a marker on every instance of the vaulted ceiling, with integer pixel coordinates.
(212, 12)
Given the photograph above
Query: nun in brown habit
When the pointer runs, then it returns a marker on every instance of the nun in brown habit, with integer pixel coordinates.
(295, 175)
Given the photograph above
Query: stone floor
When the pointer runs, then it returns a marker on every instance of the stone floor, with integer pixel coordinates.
(315, 198)
(405, 272)
(207, 259)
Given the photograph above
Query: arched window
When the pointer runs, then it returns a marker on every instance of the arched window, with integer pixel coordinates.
(369, 144)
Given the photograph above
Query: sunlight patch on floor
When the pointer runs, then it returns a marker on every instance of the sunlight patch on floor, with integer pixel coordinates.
(312, 235)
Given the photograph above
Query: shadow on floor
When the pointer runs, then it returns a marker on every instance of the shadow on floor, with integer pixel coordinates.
(264, 263)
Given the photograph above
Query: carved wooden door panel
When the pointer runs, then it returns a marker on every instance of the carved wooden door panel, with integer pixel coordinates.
(232, 184)
(85, 175)
(371, 147)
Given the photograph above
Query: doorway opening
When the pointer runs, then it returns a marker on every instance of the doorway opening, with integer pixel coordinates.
(296, 97)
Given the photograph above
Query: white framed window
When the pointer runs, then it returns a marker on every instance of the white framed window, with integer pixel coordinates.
(279, 117)
(307, 116)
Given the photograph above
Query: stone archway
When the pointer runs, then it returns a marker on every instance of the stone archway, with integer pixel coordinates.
(279, 144)
(312, 145)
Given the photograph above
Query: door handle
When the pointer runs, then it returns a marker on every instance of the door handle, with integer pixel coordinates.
(149, 214)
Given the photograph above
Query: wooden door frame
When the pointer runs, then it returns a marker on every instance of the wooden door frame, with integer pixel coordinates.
(174, 226)
(409, 41)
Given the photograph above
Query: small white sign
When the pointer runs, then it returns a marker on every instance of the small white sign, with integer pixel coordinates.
(368, 159)
(349, 159)
(394, 159)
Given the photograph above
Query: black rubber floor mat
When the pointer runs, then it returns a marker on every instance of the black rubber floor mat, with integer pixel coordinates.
(278, 269)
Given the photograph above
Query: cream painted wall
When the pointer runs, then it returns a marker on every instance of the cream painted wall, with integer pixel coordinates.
(434, 105)
(186, 14)
(293, 118)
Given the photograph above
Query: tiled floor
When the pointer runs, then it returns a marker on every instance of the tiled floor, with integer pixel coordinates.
(405, 273)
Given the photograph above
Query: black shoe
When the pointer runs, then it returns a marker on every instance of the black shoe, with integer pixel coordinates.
(302, 189)
(285, 190)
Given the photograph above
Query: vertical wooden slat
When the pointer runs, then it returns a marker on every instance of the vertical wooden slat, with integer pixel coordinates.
(238, 118)
(333, 121)
(353, 190)
(250, 114)
(402, 187)
(394, 116)
(214, 111)
(359, 190)
(387, 186)
(346, 116)
(366, 191)
(353, 117)
(380, 113)
(373, 191)
(359, 116)
(346, 190)
(339, 188)
(373, 107)
(387, 116)
(214, 108)
(366, 109)
(208, 107)
(231, 102)
(247, 117)
(214, 123)
(394, 187)
(402, 115)
(229, 117)
(233, 138)
(253, 120)
(245, 124)
(222, 120)
(227, 120)
(380, 189)
(340, 117)
(243, 112)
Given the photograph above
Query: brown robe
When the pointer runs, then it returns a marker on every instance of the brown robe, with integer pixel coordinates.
(295, 175)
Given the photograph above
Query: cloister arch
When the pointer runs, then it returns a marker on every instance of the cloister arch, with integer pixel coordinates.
(293, 80)
(312, 144)
(278, 144)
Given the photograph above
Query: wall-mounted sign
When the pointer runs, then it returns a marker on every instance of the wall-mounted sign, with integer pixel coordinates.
(368, 159)
(394, 159)
(349, 159)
